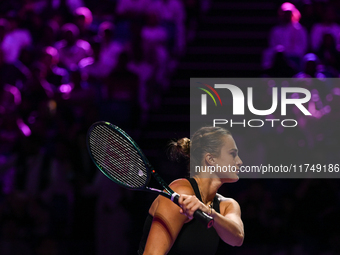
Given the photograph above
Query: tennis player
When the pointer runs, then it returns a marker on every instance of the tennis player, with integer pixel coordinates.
(172, 230)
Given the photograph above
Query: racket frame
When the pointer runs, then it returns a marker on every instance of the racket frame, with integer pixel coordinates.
(168, 193)
(134, 144)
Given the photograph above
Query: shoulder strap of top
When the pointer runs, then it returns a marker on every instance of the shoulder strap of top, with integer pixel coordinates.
(195, 187)
(216, 201)
(216, 204)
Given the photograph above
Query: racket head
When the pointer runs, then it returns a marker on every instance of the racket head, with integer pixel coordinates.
(118, 156)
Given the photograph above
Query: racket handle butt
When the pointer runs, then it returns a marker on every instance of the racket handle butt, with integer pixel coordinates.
(206, 219)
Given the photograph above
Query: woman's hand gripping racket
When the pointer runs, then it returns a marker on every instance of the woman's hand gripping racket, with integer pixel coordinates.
(117, 155)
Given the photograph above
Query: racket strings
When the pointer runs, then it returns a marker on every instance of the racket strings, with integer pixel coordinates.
(117, 157)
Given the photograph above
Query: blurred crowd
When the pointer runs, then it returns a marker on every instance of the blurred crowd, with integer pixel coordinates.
(296, 216)
(306, 42)
(305, 47)
(114, 54)
(65, 64)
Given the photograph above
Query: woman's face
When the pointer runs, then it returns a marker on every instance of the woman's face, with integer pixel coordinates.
(228, 161)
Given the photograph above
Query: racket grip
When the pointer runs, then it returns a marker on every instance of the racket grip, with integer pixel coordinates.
(198, 214)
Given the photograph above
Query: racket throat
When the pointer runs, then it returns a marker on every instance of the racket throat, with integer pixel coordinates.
(174, 197)
(162, 182)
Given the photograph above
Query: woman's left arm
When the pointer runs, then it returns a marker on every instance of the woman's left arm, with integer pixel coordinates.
(228, 223)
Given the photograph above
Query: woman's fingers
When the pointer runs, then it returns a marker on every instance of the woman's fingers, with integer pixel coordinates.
(189, 204)
(182, 198)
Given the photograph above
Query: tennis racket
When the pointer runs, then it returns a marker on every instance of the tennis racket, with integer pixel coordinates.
(119, 157)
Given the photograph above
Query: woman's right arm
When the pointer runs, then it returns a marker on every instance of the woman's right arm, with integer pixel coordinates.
(167, 221)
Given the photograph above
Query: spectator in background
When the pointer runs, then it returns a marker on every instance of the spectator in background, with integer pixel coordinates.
(329, 55)
(308, 15)
(83, 19)
(80, 93)
(12, 73)
(47, 72)
(110, 48)
(32, 166)
(50, 31)
(121, 94)
(33, 91)
(10, 135)
(172, 17)
(146, 74)
(154, 38)
(327, 26)
(3, 29)
(33, 21)
(318, 87)
(72, 49)
(95, 72)
(15, 39)
(95, 69)
(71, 5)
(130, 17)
(310, 67)
(132, 8)
(193, 11)
(281, 66)
(290, 34)
(54, 75)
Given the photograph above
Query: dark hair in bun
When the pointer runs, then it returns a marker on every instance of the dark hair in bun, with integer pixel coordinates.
(180, 149)
(205, 140)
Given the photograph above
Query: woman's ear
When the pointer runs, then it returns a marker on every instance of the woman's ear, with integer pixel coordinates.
(209, 159)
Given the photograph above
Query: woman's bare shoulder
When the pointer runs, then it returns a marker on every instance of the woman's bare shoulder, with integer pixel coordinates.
(228, 203)
(222, 198)
(182, 186)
